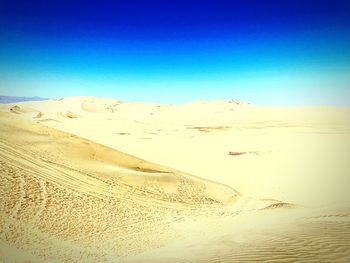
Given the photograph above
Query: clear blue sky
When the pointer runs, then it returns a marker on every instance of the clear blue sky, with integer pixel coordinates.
(288, 52)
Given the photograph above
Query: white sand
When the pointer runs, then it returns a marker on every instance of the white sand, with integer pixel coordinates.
(269, 155)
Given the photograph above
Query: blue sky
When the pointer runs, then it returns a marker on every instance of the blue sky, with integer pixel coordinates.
(266, 52)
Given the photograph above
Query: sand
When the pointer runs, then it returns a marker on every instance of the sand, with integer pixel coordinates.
(87, 179)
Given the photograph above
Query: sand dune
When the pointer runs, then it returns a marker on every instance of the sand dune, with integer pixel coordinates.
(270, 184)
(274, 149)
(66, 198)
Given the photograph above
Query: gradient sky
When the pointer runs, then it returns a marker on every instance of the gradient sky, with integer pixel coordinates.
(266, 52)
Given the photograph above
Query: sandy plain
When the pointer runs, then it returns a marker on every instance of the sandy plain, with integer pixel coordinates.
(86, 179)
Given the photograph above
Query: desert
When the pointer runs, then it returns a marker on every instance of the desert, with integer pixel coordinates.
(89, 179)
(155, 131)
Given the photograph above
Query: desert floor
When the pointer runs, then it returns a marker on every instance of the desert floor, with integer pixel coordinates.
(87, 179)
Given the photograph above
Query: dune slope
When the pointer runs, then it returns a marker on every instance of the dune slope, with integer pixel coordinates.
(69, 199)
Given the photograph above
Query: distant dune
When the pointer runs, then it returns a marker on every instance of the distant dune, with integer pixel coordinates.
(246, 184)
